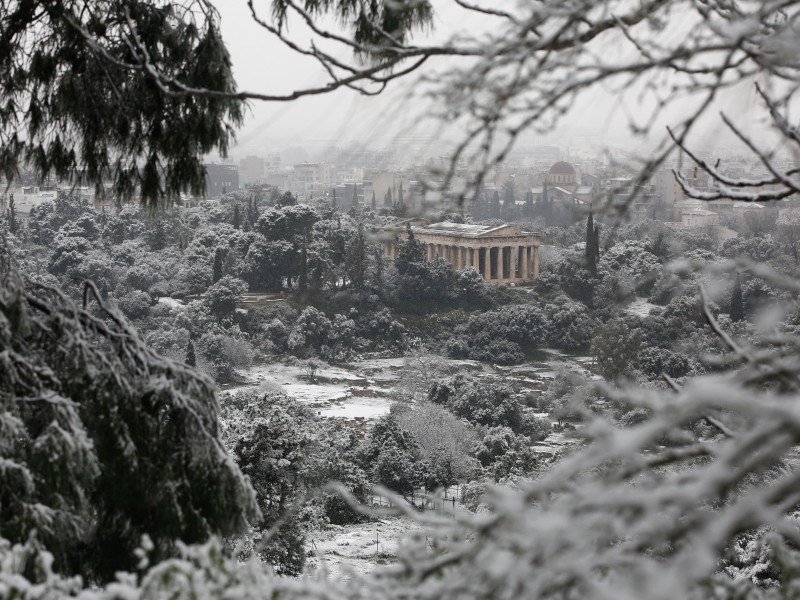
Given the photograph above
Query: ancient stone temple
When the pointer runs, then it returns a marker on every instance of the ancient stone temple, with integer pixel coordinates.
(502, 254)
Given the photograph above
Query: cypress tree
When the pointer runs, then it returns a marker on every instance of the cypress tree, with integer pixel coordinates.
(737, 303)
(545, 202)
(374, 205)
(590, 240)
(596, 244)
(13, 224)
(191, 360)
(527, 208)
(236, 218)
(217, 274)
(494, 206)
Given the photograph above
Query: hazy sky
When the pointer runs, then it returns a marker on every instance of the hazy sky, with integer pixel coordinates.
(263, 64)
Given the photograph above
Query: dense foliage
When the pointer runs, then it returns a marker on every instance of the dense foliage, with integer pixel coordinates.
(104, 73)
(102, 440)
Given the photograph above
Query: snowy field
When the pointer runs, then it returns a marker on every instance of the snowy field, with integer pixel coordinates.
(341, 552)
(363, 389)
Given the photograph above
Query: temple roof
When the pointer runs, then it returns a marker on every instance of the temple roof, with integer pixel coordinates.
(471, 230)
(468, 230)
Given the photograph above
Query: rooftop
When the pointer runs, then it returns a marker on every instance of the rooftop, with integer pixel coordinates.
(562, 168)
(468, 230)
(461, 228)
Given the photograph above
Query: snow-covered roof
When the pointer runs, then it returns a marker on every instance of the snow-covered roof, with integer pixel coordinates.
(699, 212)
(450, 227)
(469, 229)
(747, 205)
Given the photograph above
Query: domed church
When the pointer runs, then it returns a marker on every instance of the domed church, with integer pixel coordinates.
(563, 175)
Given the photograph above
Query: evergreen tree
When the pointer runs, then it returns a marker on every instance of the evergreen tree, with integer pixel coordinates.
(527, 208)
(737, 303)
(52, 57)
(373, 203)
(11, 215)
(378, 273)
(409, 253)
(191, 359)
(596, 243)
(248, 220)
(126, 444)
(356, 261)
(236, 221)
(494, 206)
(590, 253)
(334, 199)
(217, 271)
(510, 199)
(478, 207)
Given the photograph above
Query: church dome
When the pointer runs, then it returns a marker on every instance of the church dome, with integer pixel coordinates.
(562, 168)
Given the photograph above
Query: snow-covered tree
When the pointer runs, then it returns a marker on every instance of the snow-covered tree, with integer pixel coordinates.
(103, 441)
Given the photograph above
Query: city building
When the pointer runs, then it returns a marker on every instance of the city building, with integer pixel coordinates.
(221, 179)
(310, 180)
(563, 175)
(502, 254)
(251, 170)
(698, 217)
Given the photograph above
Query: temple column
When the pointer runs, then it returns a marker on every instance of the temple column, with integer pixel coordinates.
(387, 248)
(476, 255)
(498, 264)
(536, 262)
(458, 263)
(523, 265)
(431, 252)
(487, 275)
(513, 254)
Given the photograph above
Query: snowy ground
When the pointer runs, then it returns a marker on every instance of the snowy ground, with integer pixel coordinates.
(343, 392)
(357, 549)
(363, 388)
(640, 307)
(171, 302)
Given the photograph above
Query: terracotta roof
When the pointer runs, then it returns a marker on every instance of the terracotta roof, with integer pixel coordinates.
(562, 168)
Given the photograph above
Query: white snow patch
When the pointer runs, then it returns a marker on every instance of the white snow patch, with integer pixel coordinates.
(640, 307)
(309, 392)
(357, 549)
(369, 408)
(171, 302)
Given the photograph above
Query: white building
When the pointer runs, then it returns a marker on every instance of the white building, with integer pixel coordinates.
(698, 217)
(309, 180)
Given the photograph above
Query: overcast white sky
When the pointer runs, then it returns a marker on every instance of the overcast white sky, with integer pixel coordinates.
(263, 64)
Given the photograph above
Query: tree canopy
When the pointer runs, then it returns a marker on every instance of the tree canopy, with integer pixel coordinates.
(102, 440)
(92, 93)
